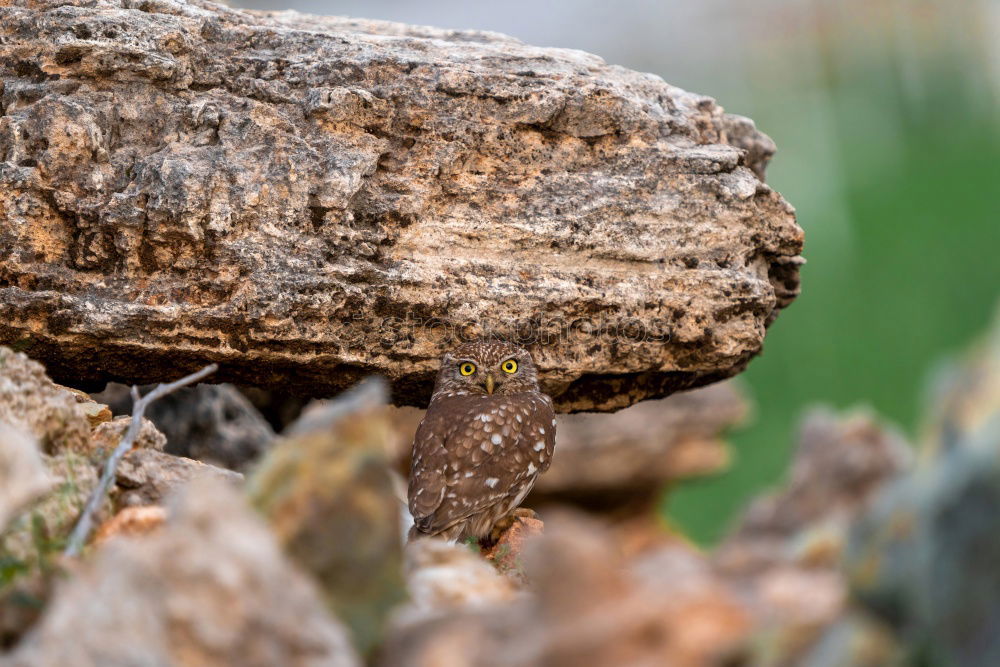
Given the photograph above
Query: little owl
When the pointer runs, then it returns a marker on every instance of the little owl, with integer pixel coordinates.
(487, 435)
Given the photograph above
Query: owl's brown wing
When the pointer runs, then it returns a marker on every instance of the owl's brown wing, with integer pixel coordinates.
(546, 419)
(427, 469)
(462, 468)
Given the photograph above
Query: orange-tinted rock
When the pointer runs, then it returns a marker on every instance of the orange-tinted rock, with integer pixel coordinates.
(506, 554)
(132, 521)
(107, 435)
(97, 413)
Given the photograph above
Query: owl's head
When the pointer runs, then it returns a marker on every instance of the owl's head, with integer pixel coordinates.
(486, 367)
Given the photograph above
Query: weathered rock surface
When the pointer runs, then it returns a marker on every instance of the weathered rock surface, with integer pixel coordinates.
(211, 587)
(327, 489)
(586, 606)
(784, 555)
(107, 435)
(442, 576)
(30, 401)
(147, 476)
(606, 461)
(922, 557)
(23, 477)
(308, 200)
(97, 413)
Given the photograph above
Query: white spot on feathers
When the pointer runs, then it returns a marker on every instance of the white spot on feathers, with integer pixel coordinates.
(492, 482)
(496, 439)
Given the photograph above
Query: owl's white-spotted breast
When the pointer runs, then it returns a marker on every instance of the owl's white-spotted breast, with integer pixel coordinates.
(487, 435)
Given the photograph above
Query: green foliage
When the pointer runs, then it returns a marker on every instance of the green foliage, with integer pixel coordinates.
(11, 567)
(32, 543)
(472, 544)
(900, 216)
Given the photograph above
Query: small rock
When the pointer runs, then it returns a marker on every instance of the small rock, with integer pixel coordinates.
(839, 465)
(107, 435)
(132, 521)
(443, 576)
(97, 413)
(506, 553)
(147, 476)
(214, 423)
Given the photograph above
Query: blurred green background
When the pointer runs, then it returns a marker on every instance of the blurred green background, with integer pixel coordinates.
(886, 114)
(886, 119)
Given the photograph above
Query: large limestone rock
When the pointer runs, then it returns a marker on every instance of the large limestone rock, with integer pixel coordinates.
(308, 200)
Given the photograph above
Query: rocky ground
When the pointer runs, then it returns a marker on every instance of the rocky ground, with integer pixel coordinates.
(867, 555)
(310, 201)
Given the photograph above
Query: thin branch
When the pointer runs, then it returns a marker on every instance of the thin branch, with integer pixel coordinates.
(86, 521)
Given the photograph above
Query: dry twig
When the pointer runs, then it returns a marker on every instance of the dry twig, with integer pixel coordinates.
(85, 523)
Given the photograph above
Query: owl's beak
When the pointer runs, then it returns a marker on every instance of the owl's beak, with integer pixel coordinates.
(489, 383)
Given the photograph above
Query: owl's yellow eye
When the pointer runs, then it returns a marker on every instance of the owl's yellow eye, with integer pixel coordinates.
(509, 366)
(466, 368)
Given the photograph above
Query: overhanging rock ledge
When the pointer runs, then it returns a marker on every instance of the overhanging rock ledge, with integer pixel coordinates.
(308, 200)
